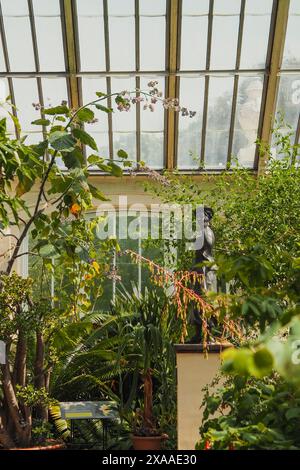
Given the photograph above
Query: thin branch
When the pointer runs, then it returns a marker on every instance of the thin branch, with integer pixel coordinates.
(26, 253)
(8, 235)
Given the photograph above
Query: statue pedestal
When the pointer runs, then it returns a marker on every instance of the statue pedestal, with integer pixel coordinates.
(194, 371)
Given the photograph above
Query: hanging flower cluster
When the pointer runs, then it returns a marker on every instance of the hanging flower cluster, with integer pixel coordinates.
(149, 100)
(152, 174)
(184, 296)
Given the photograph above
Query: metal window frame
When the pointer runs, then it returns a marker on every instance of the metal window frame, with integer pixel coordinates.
(108, 78)
(236, 81)
(172, 72)
(206, 84)
(297, 133)
(137, 81)
(68, 15)
(277, 36)
(7, 66)
(36, 60)
(172, 81)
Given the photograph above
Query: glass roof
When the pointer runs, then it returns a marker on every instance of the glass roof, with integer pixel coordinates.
(222, 51)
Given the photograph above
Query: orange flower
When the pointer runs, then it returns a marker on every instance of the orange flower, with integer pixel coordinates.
(75, 209)
(207, 445)
(88, 276)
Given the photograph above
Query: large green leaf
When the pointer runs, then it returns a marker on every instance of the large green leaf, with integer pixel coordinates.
(263, 361)
(62, 141)
(3, 126)
(122, 154)
(115, 169)
(104, 108)
(85, 138)
(97, 193)
(292, 413)
(57, 110)
(41, 122)
(48, 251)
(24, 185)
(85, 115)
(73, 159)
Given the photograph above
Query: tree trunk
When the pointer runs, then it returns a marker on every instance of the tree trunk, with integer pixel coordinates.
(19, 374)
(5, 440)
(21, 426)
(39, 373)
(148, 398)
(13, 405)
(39, 376)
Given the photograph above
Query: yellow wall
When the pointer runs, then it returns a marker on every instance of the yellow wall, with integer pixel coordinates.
(194, 372)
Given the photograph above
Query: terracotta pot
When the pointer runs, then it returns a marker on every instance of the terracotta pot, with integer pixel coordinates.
(53, 446)
(147, 442)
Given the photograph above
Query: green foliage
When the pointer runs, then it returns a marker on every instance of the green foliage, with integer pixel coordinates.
(85, 115)
(62, 141)
(41, 432)
(62, 109)
(34, 322)
(253, 414)
(14, 291)
(85, 138)
(31, 396)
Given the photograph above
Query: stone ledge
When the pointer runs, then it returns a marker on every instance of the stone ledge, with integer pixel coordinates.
(198, 348)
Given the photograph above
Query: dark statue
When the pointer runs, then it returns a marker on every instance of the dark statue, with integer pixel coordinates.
(209, 283)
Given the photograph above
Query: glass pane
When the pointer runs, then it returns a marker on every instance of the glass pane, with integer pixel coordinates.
(14, 7)
(152, 121)
(54, 91)
(92, 52)
(101, 139)
(152, 43)
(126, 141)
(218, 121)
(125, 7)
(228, 7)
(51, 58)
(122, 43)
(247, 119)
(152, 146)
(19, 44)
(155, 7)
(89, 88)
(123, 121)
(190, 7)
(258, 7)
(291, 56)
(103, 302)
(255, 42)
(194, 31)
(90, 7)
(288, 102)
(46, 8)
(26, 93)
(4, 108)
(4, 91)
(34, 137)
(225, 31)
(189, 138)
(2, 62)
(294, 7)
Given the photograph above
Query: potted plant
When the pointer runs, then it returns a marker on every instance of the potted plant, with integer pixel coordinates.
(145, 339)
